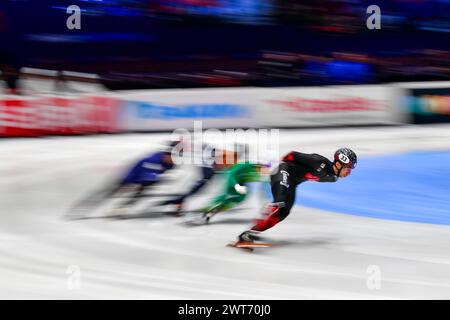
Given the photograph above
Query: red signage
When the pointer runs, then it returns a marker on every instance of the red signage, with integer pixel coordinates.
(21, 117)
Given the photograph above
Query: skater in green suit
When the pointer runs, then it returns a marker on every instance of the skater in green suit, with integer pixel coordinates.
(235, 190)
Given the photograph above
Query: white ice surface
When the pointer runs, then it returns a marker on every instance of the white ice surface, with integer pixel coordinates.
(318, 255)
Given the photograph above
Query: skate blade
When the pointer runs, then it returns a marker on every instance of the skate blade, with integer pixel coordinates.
(232, 245)
(249, 245)
(195, 223)
(194, 219)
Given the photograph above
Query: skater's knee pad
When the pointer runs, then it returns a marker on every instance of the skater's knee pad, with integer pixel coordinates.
(278, 209)
(267, 223)
(273, 213)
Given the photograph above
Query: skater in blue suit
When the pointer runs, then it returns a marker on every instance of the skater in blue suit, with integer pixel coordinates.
(142, 175)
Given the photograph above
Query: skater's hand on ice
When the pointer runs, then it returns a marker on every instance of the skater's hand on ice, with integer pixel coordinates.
(240, 189)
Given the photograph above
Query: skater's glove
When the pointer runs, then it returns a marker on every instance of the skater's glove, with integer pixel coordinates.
(240, 189)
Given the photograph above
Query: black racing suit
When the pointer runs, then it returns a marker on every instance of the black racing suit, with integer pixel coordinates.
(295, 168)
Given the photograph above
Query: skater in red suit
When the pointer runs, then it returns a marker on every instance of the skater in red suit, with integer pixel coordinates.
(296, 168)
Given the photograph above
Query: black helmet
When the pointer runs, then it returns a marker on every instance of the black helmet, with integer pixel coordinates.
(346, 157)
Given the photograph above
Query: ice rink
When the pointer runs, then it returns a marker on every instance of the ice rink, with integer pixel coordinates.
(318, 254)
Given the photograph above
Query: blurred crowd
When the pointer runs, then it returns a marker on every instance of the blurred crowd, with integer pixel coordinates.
(136, 44)
(345, 15)
(328, 15)
(282, 68)
(271, 69)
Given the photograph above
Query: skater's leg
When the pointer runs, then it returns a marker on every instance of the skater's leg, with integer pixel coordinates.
(283, 193)
(97, 197)
(278, 210)
(222, 203)
(207, 174)
(137, 194)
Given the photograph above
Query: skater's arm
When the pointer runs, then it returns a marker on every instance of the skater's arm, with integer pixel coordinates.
(148, 169)
(329, 178)
(154, 164)
(232, 179)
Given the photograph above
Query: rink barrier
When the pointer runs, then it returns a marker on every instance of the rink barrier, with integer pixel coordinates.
(56, 115)
(167, 110)
(426, 102)
(147, 110)
(329, 106)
